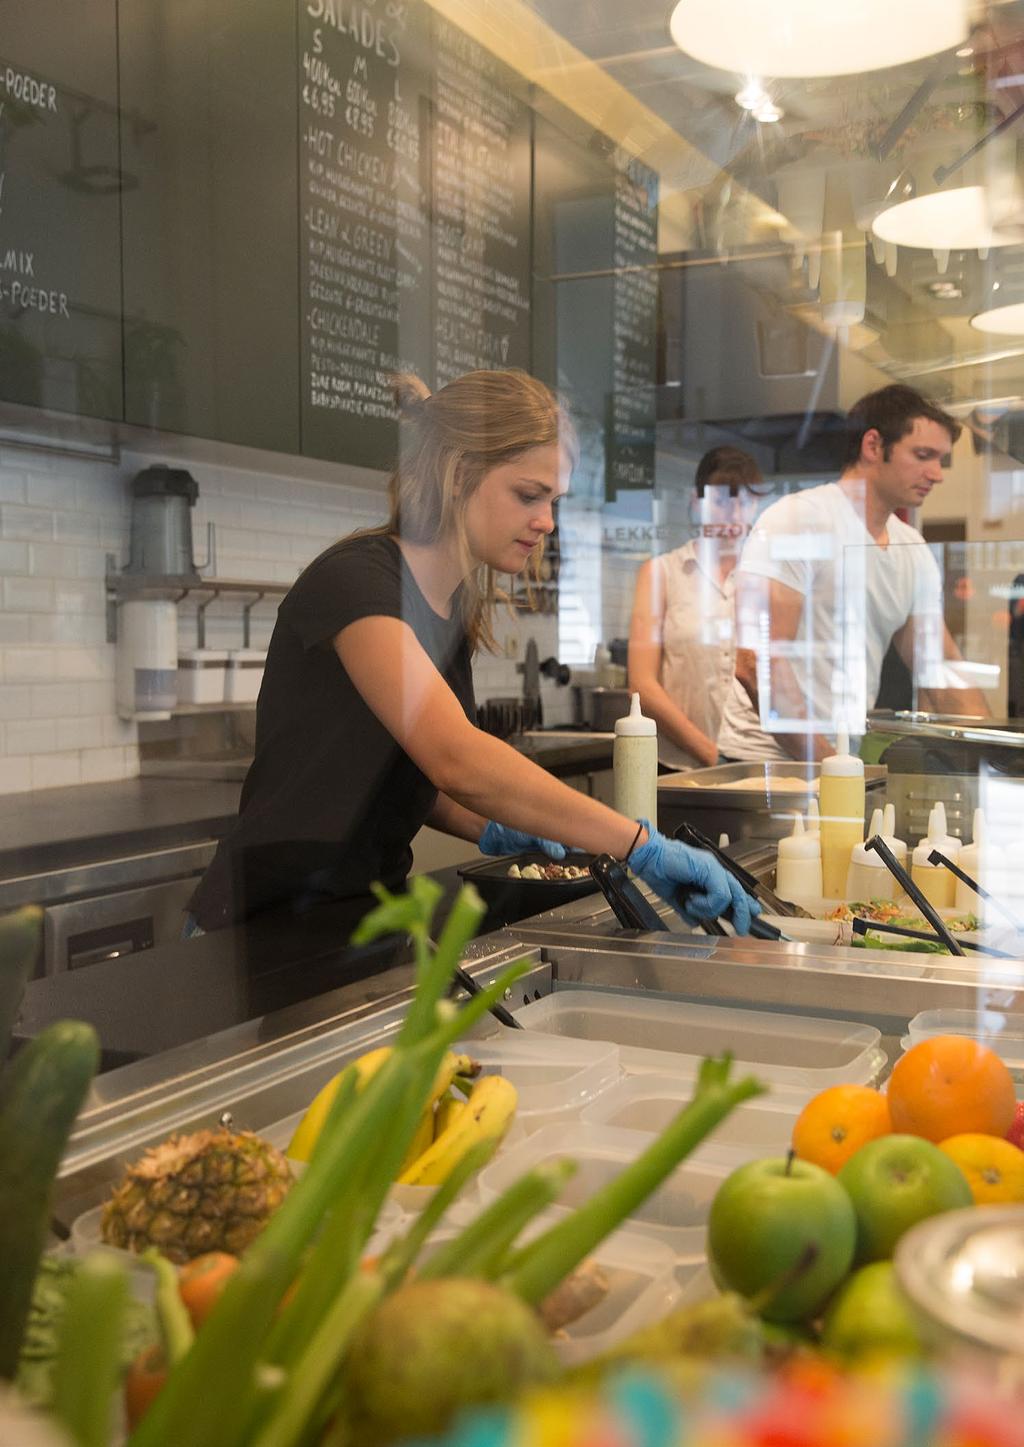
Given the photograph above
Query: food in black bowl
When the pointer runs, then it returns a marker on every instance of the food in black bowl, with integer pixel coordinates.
(510, 897)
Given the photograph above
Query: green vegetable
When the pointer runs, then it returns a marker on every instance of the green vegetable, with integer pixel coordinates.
(88, 1366)
(46, 1314)
(914, 947)
(175, 1323)
(20, 934)
(542, 1264)
(40, 1096)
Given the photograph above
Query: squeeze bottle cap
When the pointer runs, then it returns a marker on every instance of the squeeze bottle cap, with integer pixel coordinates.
(635, 724)
(813, 817)
(860, 853)
(842, 763)
(889, 821)
(931, 841)
(978, 827)
(799, 845)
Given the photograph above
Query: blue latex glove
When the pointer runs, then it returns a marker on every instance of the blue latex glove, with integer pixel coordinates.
(499, 839)
(665, 864)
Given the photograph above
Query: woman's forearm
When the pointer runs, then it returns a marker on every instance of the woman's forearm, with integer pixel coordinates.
(497, 782)
(453, 819)
(672, 721)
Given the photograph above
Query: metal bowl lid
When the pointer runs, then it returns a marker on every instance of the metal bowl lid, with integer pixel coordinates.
(965, 1271)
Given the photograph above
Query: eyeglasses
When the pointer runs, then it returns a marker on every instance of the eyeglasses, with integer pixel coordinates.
(737, 489)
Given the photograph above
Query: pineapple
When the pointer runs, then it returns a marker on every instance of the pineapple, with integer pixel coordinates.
(212, 1191)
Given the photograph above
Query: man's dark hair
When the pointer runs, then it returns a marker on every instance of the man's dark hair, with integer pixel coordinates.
(891, 412)
(727, 465)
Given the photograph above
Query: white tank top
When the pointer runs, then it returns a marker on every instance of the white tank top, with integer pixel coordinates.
(697, 644)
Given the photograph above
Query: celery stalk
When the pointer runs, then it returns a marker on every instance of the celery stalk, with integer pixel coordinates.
(540, 1266)
(402, 1252)
(481, 1245)
(88, 1366)
(175, 1323)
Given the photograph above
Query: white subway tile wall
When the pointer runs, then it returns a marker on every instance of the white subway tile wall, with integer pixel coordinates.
(60, 517)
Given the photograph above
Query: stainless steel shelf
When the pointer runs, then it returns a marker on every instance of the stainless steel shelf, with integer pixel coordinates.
(124, 586)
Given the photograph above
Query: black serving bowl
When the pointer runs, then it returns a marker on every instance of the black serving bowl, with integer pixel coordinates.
(517, 898)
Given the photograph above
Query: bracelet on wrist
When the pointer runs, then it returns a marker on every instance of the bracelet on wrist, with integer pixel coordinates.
(636, 838)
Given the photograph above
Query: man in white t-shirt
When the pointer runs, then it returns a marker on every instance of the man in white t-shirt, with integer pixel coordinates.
(829, 577)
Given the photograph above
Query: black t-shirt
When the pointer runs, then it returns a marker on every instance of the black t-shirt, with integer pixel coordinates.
(331, 802)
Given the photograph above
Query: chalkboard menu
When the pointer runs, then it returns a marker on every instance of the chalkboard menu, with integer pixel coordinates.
(364, 236)
(60, 182)
(481, 190)
(210, 219)
(630, 450)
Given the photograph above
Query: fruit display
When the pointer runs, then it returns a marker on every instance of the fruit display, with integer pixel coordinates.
(211, 1191)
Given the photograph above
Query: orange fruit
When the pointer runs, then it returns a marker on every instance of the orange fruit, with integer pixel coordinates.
(837, 1122)
(951, 1085)
(994, 1168)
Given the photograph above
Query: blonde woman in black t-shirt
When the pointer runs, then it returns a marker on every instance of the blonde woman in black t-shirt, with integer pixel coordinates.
(365, 725)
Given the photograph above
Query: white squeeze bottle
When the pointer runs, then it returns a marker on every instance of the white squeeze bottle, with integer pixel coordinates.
(841, 799)
(933, 880)
(798, 868)
(970, 862)
(867, 878)
(813, 821)
(635, 765)
(898, 847)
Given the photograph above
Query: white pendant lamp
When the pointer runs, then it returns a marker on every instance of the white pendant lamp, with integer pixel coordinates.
(1003, 321)
(955, 219)
(815, 37)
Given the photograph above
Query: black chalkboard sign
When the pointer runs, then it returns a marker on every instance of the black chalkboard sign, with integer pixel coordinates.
(211, 225)
(364, 240)
(481, 208)
(60, 241)
(631, 429)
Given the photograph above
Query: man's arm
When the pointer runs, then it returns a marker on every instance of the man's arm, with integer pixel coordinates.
(785, 607)
(948, 698)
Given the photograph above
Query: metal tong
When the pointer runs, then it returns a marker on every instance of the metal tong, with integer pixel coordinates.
(925, 905)
(937, 857)
(689, 835)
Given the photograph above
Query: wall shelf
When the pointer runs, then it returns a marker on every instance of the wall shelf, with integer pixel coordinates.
(122, 587)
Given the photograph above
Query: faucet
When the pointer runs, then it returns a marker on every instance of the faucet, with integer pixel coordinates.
(530, 669)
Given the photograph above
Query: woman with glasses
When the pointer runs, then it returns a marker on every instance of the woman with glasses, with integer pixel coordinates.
(682, 635)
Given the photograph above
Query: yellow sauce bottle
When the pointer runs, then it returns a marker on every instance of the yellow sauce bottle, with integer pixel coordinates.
(841, 801)
(934, 880)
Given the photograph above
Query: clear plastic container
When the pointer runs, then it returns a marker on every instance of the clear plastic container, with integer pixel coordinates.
(675, 1214)
(554, 1078)
(1002, 1033)
(672, 1037)
(762, 1126)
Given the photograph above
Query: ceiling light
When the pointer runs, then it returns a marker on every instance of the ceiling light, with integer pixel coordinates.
(807, 37)
(751, 96)
(954, 220)
(1007, 321)
(768, 112)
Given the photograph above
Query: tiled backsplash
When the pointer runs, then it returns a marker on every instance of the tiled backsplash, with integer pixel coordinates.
(61, 516)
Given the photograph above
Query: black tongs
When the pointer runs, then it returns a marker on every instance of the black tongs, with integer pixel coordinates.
(687, 834)
(633, 911)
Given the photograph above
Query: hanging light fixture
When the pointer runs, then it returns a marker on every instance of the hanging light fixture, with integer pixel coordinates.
(1003, 321)
(959, 219)
(816, 37)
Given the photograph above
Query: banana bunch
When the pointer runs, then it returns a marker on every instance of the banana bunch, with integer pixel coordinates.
(307, 1132)
(458, 1126)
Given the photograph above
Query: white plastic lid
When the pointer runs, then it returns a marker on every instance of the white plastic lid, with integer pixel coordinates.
(861, 854)
(635, 724)
(842, 763)
(813, 817)
(799, 845)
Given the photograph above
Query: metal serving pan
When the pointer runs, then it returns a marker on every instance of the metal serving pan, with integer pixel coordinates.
(745, 800)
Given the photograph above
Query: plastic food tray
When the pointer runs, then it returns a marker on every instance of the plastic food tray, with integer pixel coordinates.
(1000, 1032)
(555, 1078)
(672, 1037)
(675, 1214)
(758, 1127)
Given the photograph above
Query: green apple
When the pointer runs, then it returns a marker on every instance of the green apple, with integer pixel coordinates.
(781, 1233)
(894, 1182)
(870, 1314)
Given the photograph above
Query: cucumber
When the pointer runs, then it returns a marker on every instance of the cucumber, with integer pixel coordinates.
(19, 948)
(41, 1093)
